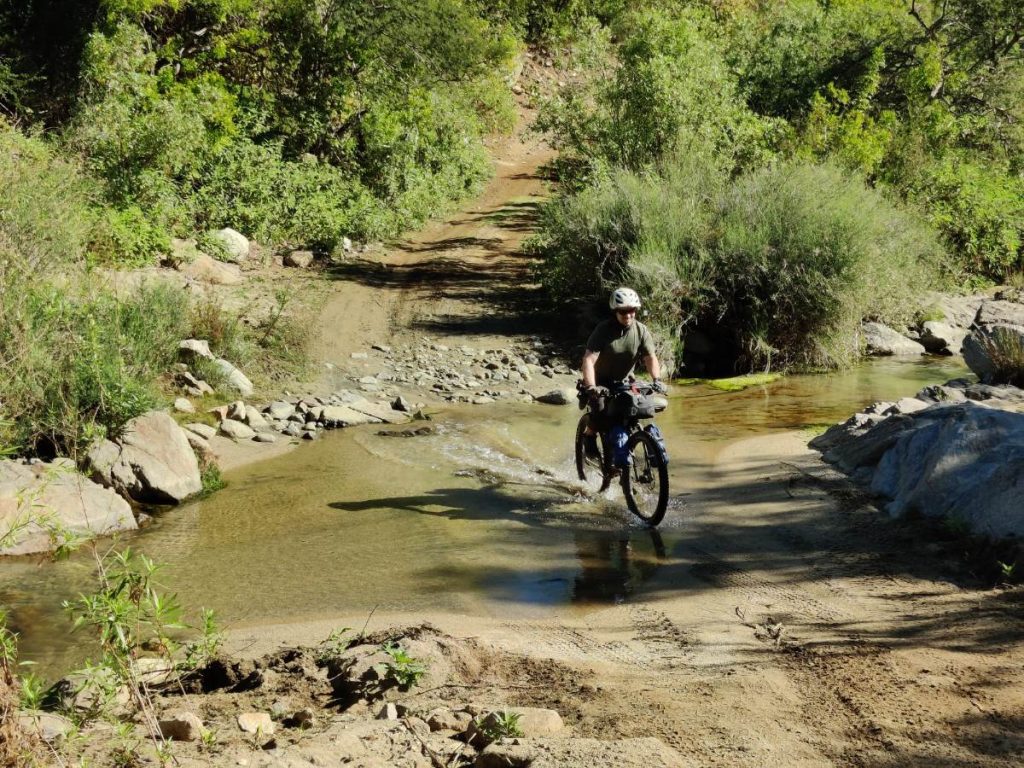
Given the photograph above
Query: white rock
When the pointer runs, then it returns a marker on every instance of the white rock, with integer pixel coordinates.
(236, 245)
(299, 259)
(279, 410)
(203, 430)
(255, 419)
(235, 378)
(256, 722)
(209, 270)
(192, 348)
(181, 726)
(151, 462)
(183, 405)
(237, 430)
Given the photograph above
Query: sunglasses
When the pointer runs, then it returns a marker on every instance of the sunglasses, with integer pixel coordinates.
(626, 311)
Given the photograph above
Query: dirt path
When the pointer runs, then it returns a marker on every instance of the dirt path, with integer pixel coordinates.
(797, 627)
(464, 280)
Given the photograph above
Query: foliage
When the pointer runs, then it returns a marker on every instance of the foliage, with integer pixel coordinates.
(739, 383)
(643, 92)
(334, 645)
(132, 617)
(404, 669)
(78, 364)
(499, 725)
(46, 219)
(785, 261)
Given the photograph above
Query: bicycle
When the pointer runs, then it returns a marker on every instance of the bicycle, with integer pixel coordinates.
(645, 479)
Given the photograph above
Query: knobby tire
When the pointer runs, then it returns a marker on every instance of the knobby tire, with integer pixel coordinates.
(645, 482)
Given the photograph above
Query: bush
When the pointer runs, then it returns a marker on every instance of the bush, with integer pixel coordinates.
(79, 363)
(784, 262)
(639, 98)
(46, 219)
(979, 209)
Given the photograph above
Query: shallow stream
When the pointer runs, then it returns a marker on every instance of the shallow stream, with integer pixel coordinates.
(482, 517)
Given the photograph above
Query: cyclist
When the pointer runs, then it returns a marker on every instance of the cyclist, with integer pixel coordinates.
(613, 349)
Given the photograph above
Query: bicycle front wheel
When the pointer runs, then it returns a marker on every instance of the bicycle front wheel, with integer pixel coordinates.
(645, 481)
(590, 464)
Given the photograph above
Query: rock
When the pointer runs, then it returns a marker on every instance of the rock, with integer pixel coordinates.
(237, 430)
(380, 411)
(346, 244)
(939, 337)
(1001, 313)
(236, 411)
(996, 354)
(865, 447)
(343, 416)
(183, 252)
(303, 718)
(279, 409)
(906, 405)
(152, 461)
(299, 259)
(234, 244)
(235, 378)
(190, 349)
(208, 270)
(532, 722)
(883, 340)
(255, 419)
(388, 712)
(181, 726)
(558, 397)
(444, 719)
(49, 727)
(182, 405)
(265, 437)
(961, 461)
(199, 444)
(941, 393)
(203, 430)
(256, 722)
(401, 404)
(959, 311)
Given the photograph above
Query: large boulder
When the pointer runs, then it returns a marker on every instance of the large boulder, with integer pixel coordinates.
(209, 270)
(40, 498)
(961, 461)
(1001, 313)
(234, 377)
(938, 337)
(152, 461)
(234, 244)
(996, 354)
(882, 340)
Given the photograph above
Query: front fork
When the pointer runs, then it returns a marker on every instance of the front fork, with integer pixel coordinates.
(662, 457)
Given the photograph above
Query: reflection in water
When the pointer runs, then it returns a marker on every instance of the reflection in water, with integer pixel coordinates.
(483, 517)
(613, 564)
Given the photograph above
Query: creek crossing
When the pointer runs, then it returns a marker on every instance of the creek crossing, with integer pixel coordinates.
(482, 517)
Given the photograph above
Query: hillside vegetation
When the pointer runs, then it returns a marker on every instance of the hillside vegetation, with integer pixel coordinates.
(772, 173)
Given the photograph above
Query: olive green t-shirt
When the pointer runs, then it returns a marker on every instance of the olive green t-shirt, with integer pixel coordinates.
(618, 348)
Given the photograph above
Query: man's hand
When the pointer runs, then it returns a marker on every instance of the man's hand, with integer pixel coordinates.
(658, 386)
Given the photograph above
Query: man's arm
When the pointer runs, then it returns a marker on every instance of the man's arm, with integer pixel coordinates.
(652, 365)
(587, 368)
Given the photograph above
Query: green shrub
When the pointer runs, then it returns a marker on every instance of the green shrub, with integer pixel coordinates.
(79, 363)
(979, 209)
(785, 261)
(45, 218)
(644, 91)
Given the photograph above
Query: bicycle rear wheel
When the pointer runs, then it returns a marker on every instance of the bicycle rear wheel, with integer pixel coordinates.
(645, 481)
(590, 468)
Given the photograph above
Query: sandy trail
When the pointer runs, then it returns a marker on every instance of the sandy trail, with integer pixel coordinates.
(796, 627)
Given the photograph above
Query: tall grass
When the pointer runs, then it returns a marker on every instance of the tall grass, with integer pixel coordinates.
(78, 362)
(784, 262)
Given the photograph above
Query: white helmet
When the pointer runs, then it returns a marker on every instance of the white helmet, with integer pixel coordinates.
(623, 298)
